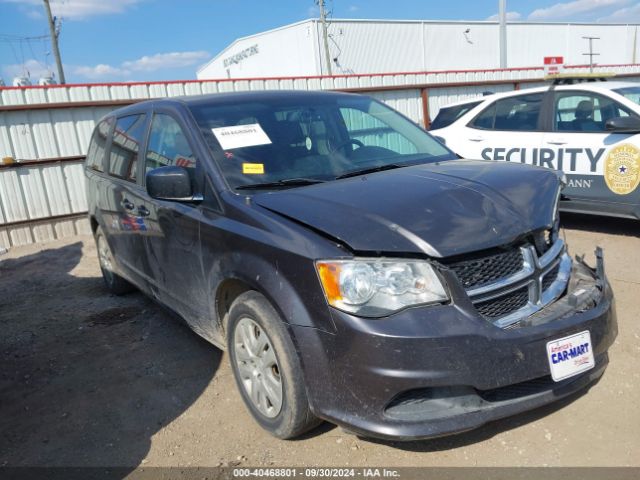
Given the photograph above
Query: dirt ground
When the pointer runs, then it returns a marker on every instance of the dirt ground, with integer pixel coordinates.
(90, 379)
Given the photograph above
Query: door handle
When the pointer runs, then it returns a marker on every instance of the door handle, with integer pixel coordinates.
(557, 141)
(127, 204)
(143, 211)
(476, 139)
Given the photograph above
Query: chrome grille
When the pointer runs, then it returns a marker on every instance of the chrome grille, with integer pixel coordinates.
(518, 293)
(550, 277)
(487, 269)
(503, 305)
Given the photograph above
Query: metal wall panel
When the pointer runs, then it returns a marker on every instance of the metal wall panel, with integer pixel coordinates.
(407, 102)
(82, 93)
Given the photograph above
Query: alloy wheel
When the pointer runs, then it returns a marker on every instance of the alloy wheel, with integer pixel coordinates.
(257, 367)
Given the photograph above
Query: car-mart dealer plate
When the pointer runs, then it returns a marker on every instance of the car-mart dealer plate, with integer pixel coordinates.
(570, 355)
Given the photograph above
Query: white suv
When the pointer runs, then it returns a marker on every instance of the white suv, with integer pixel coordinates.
(590, 130)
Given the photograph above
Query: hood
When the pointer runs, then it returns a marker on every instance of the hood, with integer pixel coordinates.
(441, 209)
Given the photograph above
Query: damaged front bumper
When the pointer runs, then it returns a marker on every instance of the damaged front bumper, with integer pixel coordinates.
(427, 372)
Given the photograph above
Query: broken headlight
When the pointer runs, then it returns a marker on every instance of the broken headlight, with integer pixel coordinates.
(376, 287)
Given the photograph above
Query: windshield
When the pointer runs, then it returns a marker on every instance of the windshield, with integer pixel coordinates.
(316, 138)
(631, 93)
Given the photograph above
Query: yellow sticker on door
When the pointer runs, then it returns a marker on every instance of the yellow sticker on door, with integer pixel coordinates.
(253, 168)
(622, 169)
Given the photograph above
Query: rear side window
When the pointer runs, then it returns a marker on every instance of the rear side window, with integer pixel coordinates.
(168, 145)
(125, 146)
(585, 111)
(515, 114)
(446, 116)
(95, 155)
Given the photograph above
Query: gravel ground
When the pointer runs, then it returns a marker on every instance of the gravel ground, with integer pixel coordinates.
(90, 379)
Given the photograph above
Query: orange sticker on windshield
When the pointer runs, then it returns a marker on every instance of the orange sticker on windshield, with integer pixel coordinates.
(253, 168)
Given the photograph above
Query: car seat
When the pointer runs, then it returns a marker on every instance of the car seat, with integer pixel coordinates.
(584, 118)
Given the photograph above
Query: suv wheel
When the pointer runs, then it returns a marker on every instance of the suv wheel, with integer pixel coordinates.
(115, 283)
(266, 367)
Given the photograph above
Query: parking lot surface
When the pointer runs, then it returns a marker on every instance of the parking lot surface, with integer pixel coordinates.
(90, 379)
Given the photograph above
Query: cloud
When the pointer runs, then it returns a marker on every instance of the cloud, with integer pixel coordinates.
(148, 63)
(511, 16)
(165, 60)
(569, 10)
(100, 71)
(354, 8)
(31, 68)
(623, 15)
(76, 9)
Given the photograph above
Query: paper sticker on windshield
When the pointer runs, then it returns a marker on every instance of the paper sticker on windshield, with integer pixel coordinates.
(622, 169)
(253, 168)
(240, 136)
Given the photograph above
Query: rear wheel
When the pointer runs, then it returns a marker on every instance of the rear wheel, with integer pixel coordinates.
(266, 368)
(115, 283)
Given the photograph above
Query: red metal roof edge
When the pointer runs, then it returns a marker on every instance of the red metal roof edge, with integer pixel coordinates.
(308, 77)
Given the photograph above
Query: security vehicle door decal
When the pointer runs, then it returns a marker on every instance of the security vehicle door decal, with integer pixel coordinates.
(622, 169)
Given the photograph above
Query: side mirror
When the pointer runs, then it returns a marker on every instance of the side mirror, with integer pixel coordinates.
(170, 183)
(623, 125)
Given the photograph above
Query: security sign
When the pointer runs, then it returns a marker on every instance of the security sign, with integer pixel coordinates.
(553, 65)
(622, 169)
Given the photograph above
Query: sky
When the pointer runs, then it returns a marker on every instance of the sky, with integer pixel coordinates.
(148, 40)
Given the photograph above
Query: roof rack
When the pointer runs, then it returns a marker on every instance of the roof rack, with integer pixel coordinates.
(572, 78)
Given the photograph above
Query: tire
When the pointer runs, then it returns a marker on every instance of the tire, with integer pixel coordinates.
(115, 283)
(261, 353)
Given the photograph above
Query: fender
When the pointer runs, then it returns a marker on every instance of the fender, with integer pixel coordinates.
(276, 285)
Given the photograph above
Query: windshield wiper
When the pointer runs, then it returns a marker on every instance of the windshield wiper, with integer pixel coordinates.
(364, 171)
(287, 182)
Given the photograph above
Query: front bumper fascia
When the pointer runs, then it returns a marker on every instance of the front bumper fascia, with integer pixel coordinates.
(353, 376)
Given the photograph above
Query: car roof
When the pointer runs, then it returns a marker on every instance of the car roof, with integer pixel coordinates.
(226, 98)
(587, 86)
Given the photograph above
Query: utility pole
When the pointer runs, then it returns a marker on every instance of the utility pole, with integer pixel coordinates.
(591, 54)
(54, 42)
(325, 36)
(502, 9)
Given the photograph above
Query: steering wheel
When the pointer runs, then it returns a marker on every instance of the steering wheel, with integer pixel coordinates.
(348, 142)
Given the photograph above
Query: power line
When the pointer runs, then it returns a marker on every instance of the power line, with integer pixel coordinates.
(8, 38)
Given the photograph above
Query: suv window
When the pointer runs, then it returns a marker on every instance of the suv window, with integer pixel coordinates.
(168, 145)
(373, 132)
(446, 116)
(585, 111)
(127, 137)
(516, 114)
(95, 155)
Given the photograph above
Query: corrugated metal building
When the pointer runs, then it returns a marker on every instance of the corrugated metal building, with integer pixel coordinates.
(382, 46)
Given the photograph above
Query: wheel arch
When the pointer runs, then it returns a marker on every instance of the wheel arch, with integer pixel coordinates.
(230, 279)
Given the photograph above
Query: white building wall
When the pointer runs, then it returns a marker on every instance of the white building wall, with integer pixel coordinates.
(380, 46)
(288, 50)
(376, 46)
(451, 47)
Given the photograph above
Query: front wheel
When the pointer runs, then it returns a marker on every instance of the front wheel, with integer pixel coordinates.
(266, 368)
